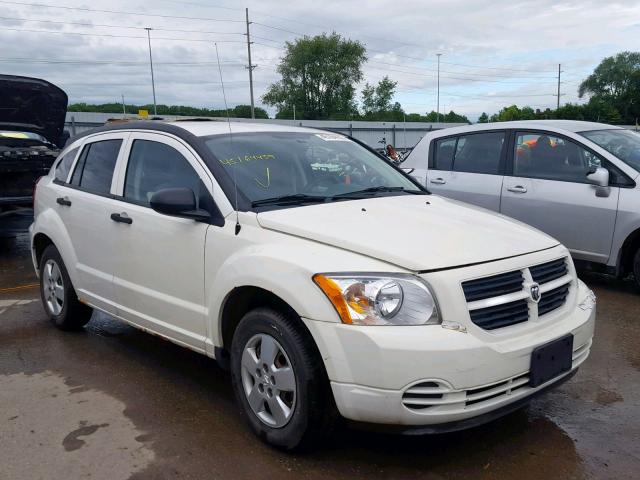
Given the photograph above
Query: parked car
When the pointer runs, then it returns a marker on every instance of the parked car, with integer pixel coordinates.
(32, 113)
(323, 276)
(576, 181)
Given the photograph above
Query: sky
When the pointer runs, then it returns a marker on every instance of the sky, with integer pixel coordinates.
(494, 53)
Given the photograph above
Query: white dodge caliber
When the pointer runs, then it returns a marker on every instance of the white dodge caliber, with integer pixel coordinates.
(324, 278)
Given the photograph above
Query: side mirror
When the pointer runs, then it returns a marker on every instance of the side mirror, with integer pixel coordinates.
(599, 177)
(178, 202)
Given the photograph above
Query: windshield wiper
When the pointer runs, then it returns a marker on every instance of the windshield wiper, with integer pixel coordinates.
(297, 198)
(381, 188)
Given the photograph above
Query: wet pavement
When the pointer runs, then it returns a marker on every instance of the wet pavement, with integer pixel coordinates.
(115, 403)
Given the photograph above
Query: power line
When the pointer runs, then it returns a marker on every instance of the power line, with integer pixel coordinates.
(102, 25)
(119, 12)
(406, 56)
(111, 35)
(111, 62)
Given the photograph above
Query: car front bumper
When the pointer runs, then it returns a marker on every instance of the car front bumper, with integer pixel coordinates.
(376, 373)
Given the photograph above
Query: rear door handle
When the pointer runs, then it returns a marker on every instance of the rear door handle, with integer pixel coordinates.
(63, 201)
(517, 189)
(438, 181)
(121, 218)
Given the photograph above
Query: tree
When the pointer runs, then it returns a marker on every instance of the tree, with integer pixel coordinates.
(484, 118)
(616, 82)
(244, 111)
(376, 100)
(239, 111)
(319, 75)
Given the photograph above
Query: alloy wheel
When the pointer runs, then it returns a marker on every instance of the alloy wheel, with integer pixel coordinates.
(268, 380)
(53, 287)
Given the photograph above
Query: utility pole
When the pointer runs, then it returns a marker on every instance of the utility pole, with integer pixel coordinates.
(251, 66)
(558, 104)
(294, 112)
(153, 83)
(124, 109)
(438, 108)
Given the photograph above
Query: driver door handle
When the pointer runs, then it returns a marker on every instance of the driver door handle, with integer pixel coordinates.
(517, 189)
(438, 181)
(63, 201)
(121, 218)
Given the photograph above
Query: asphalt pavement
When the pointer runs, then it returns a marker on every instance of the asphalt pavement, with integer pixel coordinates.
(111, 402)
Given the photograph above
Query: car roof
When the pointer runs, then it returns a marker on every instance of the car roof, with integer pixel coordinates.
(200, 128)
(573, 126)
(205, 128)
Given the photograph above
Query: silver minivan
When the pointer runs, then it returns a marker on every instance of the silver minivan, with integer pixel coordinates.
(576, 181)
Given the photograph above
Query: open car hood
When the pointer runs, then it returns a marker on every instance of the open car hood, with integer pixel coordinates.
(32, 105)
(422, 232)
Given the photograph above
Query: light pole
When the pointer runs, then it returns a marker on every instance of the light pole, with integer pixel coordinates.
(153, 83)
(438, 108)
(251, 66)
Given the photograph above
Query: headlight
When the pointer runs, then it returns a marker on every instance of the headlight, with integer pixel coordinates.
(378, 299)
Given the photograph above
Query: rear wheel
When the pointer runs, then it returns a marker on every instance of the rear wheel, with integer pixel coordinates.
(279, 381)
(58, 295)
(636, 267)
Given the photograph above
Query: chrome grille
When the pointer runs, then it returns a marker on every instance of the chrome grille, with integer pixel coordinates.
(553, 299)
(493, 286)
(549, 271)
(506, 299)
(499, 316)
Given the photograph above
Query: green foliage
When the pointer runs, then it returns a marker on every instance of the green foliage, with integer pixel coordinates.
(376, 100)
(484, 118)
(239, 111)
(616, 83)
(319, 75)
(594, 111)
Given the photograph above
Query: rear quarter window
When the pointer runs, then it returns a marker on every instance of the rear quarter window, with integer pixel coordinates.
(63, 167)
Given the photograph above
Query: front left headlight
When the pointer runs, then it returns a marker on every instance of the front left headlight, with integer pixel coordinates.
(379, 299)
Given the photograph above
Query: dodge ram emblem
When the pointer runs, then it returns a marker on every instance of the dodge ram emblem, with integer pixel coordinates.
(535, 292)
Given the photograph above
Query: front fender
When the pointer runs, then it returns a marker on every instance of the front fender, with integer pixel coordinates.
(281, 264)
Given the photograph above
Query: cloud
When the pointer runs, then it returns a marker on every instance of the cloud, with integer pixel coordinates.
(495, 52)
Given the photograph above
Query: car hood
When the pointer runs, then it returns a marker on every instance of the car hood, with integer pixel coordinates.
(423, 232)
(32, 105)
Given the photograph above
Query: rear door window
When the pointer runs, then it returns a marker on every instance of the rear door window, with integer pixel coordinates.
(479, 153)
(445, 149)
(94, 169)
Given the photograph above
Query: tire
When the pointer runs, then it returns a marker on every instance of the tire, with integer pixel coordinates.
(58, 296)
(636, 268)
(312, 412)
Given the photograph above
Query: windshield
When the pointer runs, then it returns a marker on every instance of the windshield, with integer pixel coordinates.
(305, 167)
(624, 144)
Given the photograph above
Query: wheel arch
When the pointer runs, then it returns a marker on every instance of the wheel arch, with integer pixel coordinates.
(629, 248)
(241, 300)
(40, 242)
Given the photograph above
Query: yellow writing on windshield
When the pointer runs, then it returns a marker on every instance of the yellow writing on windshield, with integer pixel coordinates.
(247, 158)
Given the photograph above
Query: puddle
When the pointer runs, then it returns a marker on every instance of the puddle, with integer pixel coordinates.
(50, 430)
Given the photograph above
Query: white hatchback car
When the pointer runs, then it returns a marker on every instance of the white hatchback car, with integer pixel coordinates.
(326, 279)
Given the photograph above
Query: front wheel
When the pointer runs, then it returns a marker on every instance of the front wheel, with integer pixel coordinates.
(279, 381)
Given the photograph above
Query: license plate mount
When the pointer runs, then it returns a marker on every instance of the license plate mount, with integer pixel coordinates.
(551, 360)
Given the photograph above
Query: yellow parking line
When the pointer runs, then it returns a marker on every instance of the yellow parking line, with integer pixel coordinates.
(20, 287)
